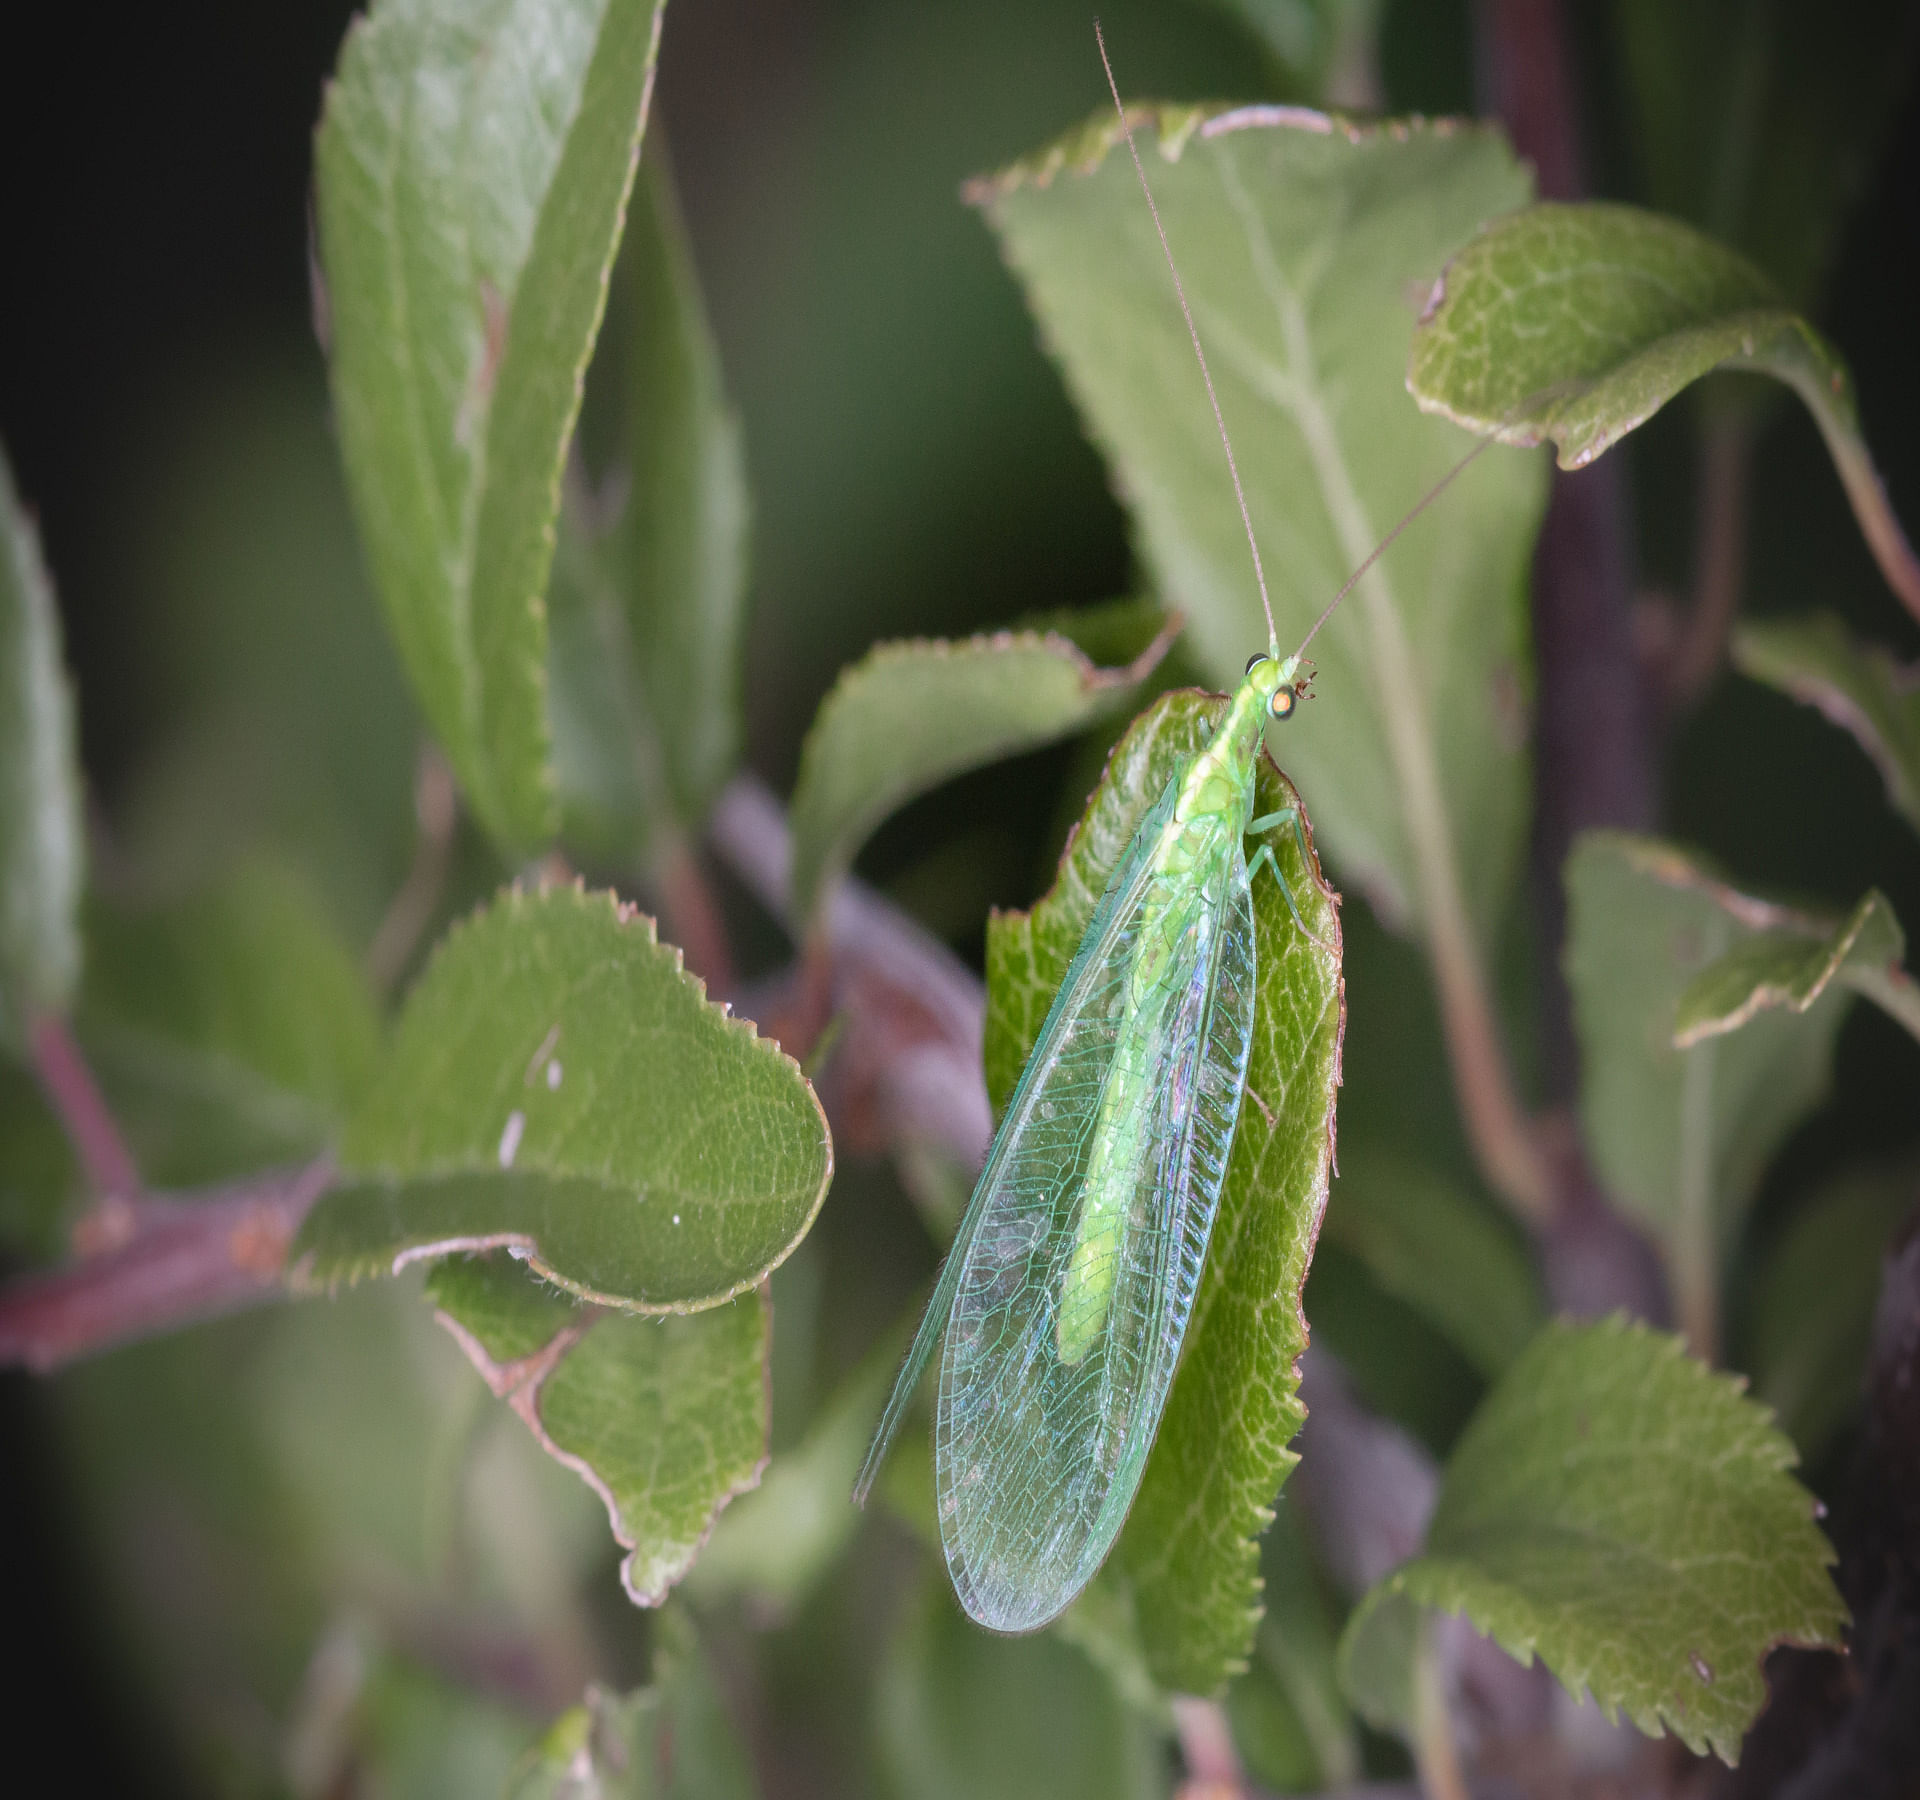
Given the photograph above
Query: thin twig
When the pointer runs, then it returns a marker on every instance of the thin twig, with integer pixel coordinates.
(1206, 1747)
(436, 812)
(82, 1110)
(693, 921)
(172, 1261)
(1435, 1753)
(1720, 557)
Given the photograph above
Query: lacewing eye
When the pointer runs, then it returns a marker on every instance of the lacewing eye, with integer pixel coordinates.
(1283, 702)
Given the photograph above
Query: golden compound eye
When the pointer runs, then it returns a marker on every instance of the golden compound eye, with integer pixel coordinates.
(1283, 702)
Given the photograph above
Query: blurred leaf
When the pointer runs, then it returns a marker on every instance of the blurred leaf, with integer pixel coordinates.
(39, 1177)
(1328, 47)
(1426, 1243)
(670, 1738)
(1790, 964)
(1810, 1309)
(1757, 120)
(908, 716)
(665, 1419)
(415, 1731)
(471, 174)
(1186, 1560)
(960, 1714)
(1300, 241)
(1290, 1720)
(285, 722)
(1577, 323)
(558, 1083)
(646, 616)
(777, 1542)
(1404, 1367)
(230, 1028)
(1858, 686)
(42, 842)
(1625, 1513)
(1680, 1137)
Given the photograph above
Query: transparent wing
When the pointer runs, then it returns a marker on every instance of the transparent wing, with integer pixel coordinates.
(1038, 1459)
(1119, 907)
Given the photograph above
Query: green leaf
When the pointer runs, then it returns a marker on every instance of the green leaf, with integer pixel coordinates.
(1626, 1514)
(1858, 686)
(669, 1739)
(42, 840)
(1810, 1309)
(1300, 239)
(1680, 1137)
(1789, 963)
(1186, 1564)
(1426, 1243)
(230, 1028)
(665, 1419)
(558, 1084)
(500, 1312)
(646, 611)
(1758, 122)
(908, 716)
(472, 172)
(1577, 323)
(959, 1714)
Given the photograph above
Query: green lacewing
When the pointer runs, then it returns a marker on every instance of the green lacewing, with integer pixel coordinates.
(1065, 1298)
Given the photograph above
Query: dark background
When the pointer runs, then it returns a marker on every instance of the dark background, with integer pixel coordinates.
(915, 465)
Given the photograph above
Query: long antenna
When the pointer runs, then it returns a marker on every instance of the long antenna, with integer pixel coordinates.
(1206, 374)
(1380, 549)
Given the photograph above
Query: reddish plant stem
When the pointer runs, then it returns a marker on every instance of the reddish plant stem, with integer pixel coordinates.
(693, 921)
(436, 807)
(160, 1264)
(82, 1110)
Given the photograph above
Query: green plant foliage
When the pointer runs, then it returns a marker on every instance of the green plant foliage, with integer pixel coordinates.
(1679, 1136)
(1449, 1258)
(1290, 1720)
(42, 843)
(1577, 323)
(1185, 1564)
(646, 608)
(504, 1313)
(775, 1543)
(557, 1083)
(231, 1029)
(959, 1714)
(1625, 1514)
(1299, 238)
(1858, 686)
(1790, 964)
(908, 716)
(1756, 121)
(1810, 1309)
(670, 1740)
(39, 1176)
(667, 1419)
(472, 173)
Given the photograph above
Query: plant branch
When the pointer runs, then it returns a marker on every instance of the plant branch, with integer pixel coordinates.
(436, 810)
(1435, 1754)
(82, 1110)
(906, 1068)
(1720, 557)
(693, 920)
(162, 1263)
